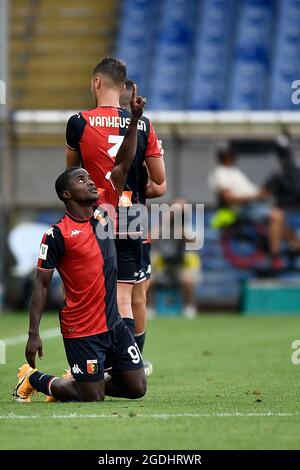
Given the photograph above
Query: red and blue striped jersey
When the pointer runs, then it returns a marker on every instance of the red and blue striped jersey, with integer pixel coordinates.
(84, 254)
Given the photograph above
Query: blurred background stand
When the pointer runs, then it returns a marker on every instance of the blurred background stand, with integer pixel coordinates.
(23, 242)
(212, 71)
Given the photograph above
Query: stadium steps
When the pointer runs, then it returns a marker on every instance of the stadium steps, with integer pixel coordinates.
(54, 47)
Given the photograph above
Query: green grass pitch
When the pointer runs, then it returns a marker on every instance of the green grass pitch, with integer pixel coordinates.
(219, 382)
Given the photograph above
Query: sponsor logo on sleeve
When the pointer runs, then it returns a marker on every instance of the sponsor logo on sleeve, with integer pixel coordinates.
(43, 251)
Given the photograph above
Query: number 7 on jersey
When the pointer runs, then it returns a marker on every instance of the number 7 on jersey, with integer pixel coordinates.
(117, 141)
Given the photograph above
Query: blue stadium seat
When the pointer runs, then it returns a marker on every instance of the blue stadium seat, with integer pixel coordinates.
(249, 86)
(171, 64)
(253, 56)
(212, 48)
(229, 54)
(135, 44)
(286, 64)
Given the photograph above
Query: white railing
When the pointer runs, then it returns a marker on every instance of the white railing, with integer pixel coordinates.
(187, 123)
(176, 117)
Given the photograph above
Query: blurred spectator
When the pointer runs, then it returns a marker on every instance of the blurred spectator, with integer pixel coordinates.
(284, 184)
(24, 244)
(251, 203)
(172, 265)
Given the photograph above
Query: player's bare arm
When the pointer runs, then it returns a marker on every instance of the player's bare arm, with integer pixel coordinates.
(127, 150)
(37, 306)
(153, 190)
(156, 168)
(72, 157)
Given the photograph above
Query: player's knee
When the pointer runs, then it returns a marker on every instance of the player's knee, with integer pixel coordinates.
(142, 387)
(125, 306)
(138, 303)
(139, 298)
(140, 325)
(92, 395)
(124, 300)
(139, 389)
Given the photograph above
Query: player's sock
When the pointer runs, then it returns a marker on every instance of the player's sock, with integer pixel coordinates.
(41, 382)
(129, 322)
(140, 340)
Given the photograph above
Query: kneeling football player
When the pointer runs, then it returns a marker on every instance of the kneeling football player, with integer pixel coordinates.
(81, 248)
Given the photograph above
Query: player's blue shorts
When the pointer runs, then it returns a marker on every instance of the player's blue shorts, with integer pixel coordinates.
(86, 355)
(129, 257)
(146, 260)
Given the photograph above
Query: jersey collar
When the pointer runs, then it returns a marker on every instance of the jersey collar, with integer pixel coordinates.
(81, 221)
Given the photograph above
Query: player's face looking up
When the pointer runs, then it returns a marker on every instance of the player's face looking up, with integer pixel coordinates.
(81, 188)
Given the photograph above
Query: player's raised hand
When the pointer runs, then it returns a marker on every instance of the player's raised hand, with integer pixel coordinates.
(137, 103)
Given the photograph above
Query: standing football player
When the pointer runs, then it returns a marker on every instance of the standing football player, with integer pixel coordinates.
(93, 139)
(146, 189)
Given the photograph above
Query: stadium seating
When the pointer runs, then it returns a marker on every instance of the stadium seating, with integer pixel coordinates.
(286, 55)
(54, 47)
(135, 43)
(252, 55)
(214, 54)
(158, 53)
(171, 63)
(222, 283)
(208, 55)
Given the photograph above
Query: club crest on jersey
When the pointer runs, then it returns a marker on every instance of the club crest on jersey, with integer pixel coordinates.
(92, 366)
(43, 251)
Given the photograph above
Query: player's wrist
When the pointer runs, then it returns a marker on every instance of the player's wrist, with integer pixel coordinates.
(134, 120)
(33, 334)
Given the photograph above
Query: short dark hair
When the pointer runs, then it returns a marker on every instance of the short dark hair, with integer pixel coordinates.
(62, 182)
(113, 68)
(225, 150)
(129, 84)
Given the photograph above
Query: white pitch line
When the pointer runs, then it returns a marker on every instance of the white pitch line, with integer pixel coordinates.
(152, 416)
(46, 334)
